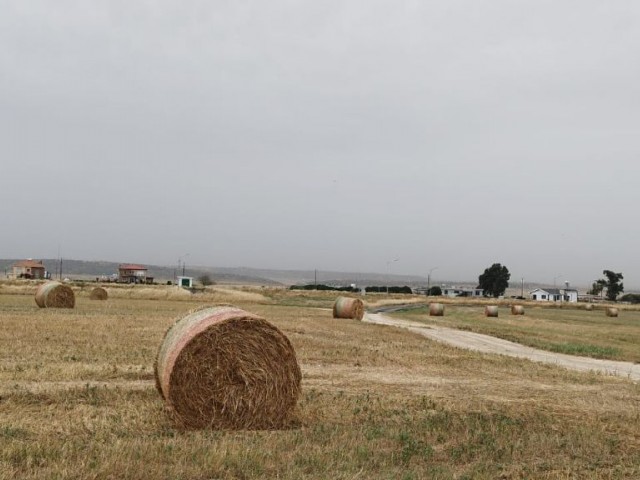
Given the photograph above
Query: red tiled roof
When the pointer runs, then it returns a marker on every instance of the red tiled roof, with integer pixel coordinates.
(131, 266)
(28, 264)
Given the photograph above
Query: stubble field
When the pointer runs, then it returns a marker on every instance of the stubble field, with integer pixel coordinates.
(78, 401)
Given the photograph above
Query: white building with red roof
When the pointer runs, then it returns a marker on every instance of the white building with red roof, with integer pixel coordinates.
(133, 273)
(28, 269)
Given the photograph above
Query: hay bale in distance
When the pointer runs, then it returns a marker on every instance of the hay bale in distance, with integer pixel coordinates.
(588, 307)
(611, 312)
(517, 310)
(98, 293)
(491, 311)
(55, 295)
(346, 307)
(436, 309)
(224, 368)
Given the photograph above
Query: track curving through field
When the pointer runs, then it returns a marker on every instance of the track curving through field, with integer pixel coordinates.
(488, 344)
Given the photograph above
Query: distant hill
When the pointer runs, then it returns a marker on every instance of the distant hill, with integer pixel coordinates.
(252, 276)
(82, 269)
(90, 269)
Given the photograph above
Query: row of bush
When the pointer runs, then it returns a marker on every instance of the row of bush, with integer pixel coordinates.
(323, 287)
(631, 298)
(384, 289)
(404, 289)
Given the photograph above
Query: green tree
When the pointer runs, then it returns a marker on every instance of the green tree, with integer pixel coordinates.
(495, 280)
(597, 287)
(613, 284)
(206, 280)
(434, 291)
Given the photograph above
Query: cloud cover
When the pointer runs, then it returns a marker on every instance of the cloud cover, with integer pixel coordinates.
(332, 135)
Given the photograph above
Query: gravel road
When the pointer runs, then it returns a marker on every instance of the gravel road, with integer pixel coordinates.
(488, 344)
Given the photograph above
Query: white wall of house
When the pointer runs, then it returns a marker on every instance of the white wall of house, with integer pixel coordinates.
(572, 294)
(455, 291)
(541, 295)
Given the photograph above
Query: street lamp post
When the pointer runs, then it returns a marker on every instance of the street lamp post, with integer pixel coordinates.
(429, 279)
(554, 284)
(181, 259)
(389, 271)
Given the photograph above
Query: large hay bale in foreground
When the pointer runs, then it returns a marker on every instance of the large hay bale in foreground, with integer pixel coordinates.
(436, 309)
(55, 295)
(98, 293)
(346, 307)
(611, 312)
(517, 310)
(224, 368)
(491, 311)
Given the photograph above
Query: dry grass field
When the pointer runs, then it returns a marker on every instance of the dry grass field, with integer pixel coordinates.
(77, 399)
(565, 330)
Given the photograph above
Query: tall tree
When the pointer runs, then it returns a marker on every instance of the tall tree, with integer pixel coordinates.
(613, 284)
(597, 287)
(494, 280)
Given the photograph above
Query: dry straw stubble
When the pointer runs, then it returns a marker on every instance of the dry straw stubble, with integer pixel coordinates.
(55, 295)
(224, 368)
(346, 307)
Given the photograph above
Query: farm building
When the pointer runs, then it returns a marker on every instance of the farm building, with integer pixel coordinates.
(462, 292)
(132, 273)
(28, 269)
(554, 295)
(186, 282)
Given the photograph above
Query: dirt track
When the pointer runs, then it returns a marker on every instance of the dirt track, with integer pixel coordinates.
(488, 344)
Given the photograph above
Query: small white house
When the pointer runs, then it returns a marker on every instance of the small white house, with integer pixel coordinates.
(554, 295)
(462, 292)
(186, 282)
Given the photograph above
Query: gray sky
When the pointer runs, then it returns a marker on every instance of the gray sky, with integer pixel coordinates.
(337, 135)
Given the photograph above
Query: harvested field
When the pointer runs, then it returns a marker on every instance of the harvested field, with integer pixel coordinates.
(78, 400)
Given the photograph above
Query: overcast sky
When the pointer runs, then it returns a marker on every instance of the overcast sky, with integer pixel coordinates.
(337, 135)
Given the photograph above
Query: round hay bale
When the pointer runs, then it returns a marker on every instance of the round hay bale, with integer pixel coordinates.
(224, 368)
(436, 309)
(588, 307)
(491, 311)
(55, 295)
(98, 293)
(517, 310)
(346, 307)
(611, 312)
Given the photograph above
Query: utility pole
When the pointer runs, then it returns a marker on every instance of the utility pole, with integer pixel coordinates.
(389, 271)
(429, 279)
(315, 278)
(522, 292)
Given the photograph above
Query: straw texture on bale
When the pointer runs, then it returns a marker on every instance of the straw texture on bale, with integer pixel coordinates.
(345, 307)
(491, 311)
(98, 293)
(611, 312)
(517, 310)
(224, 368)
(55, 295)
(436, 309)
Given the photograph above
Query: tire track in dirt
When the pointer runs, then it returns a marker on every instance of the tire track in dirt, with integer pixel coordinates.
(488, 344)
